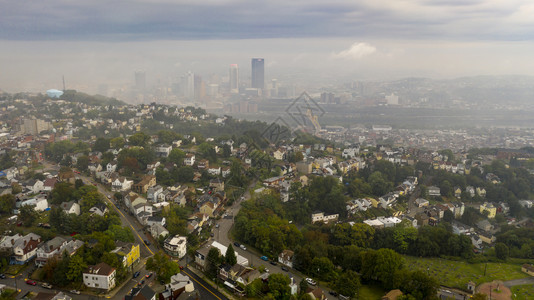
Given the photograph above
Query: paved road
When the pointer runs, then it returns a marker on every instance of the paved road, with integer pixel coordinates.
(206, 290)
(522, 281)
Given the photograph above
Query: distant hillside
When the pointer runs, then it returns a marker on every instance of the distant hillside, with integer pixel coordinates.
(74, 96)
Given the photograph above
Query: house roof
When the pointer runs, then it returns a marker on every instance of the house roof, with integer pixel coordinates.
(100, 269)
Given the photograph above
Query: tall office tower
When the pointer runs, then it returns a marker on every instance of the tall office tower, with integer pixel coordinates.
(258, 73)
(189, 85)
(140, 81)
(234, 79)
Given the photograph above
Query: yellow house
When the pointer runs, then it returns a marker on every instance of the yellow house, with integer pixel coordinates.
(207, 208)
(129, 253)
(491, 210)
(373, 201)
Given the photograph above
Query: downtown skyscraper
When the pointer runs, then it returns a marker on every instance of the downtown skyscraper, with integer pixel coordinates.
(234, 79)
(258, 73)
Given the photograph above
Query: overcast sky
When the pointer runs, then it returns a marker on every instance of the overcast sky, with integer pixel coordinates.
(95, 42)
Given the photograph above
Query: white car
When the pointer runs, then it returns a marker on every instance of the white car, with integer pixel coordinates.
(243, 247)
(75, 292)
(311, 281)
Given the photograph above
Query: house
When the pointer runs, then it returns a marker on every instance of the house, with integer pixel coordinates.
(529, 269)
(203, 164)
(217, 185)
(484, 225)
(481, 192)
(470, 190)
(215, 171)
(146, 182)
(127, 252)
(144, 293)
(49, 249)
(71, 207)
(242, 274)
(111, 167)
(321, 217)
(100, 209)
(153, 193)
(25, 248)
(457, 192)
(99, 276)
(49, 184)
(420, 202)
(163, 150)
(11, 173)
(155, 220)
(180, 287)
(316, 293)
(476, 241)
(434, 191)
(156, 230)
(279, 154)
(189, 159)
(392, 295)
(202, 253)
(286, 258)
(34, 185)
(7, 242)
(489, 209)
(176, 246)
(225, 172)
(121, 184)
(51, 296)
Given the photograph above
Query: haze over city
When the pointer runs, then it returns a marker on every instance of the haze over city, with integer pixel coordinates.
(306, 42)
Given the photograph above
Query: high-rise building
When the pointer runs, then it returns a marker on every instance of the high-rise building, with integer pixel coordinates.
(234, 79)
(140, 81)
(258, 73)
(188, 85)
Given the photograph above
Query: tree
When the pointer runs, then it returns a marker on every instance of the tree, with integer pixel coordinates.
(163, 266)
(7, 203)
(379, 184)
(101, 145)
(139, 139)
(279, 286)
(230, 257)
(348, 283)
(303, 286)
(76, 268)
(176, 156)
(82, 163)
(27, 215)
(117, 143)
(501, 251)
(381, 265)
(16, 188)
(213, 260)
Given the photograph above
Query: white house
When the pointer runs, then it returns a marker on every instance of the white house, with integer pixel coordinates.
(121, 184)
(100, 209)
(215, 171)
(49, 250)
(99, 276)
(176, 246)
(71, 207)
(155, 220)
(189, 159)
(286, 258)
(111, 166)
(26, 247)
(157, 230)
(321, 217)
(35, 186)
(163, 150)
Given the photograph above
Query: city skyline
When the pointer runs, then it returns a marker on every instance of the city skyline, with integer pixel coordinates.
(345, 40)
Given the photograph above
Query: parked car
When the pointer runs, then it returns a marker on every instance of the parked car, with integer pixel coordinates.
(272, 262)
(333, 293)
(265, 258)
(136, 274)
(311, 281)
(217, 226)
(149, 275)
(31, 282)
(75, 292)
(47, 285)
(284, 268)
(243, 247)
(212, 234)
(2, 276)
(236, 244)
(147, 242)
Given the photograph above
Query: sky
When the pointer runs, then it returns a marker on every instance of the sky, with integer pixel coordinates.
(96, 42)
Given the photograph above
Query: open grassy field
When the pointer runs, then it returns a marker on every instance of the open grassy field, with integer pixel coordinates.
(523, 292)
(458, 273)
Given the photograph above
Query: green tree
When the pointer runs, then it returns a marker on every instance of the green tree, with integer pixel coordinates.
(139, 139)
(177, 156)
(7, 203)
(348, 283)
(76, 267)
(27, 215)
(82, 163)
(501, 251)
(117, 143)
(163, 266)
(101, 145)
(381, 265)
(379, 184)
(279, 286)
(230, 257)
(213, 260)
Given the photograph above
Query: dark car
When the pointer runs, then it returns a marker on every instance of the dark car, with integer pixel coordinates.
(284, 268)
(272, 262)
(236, 244)
(333, 293)
(147, 242)
(2, 276)
(136, 274)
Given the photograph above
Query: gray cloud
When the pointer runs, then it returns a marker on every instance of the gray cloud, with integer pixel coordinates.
(208, 19)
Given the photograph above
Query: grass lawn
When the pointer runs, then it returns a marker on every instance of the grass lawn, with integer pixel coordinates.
(371, 292)
(523, 292)
(458, 273)
(15, 269)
